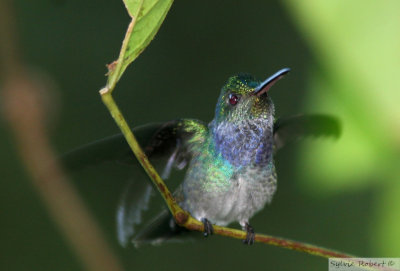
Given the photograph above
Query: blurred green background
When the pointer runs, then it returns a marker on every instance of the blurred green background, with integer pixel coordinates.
(345, 59)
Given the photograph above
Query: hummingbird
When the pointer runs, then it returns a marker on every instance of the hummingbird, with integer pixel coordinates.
(231, 175)
(230, 171)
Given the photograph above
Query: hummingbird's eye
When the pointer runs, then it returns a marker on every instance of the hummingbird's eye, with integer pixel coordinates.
(233, 99)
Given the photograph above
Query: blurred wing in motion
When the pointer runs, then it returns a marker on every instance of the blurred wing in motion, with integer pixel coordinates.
(134, 200)
(160, 229)
(291, 129)
(140, 218)
(111, 149)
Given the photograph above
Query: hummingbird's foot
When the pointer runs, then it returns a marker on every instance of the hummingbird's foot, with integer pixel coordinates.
(208, 227)
(250, 234)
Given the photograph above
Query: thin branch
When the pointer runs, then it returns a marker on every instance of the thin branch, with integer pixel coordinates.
(115, 70)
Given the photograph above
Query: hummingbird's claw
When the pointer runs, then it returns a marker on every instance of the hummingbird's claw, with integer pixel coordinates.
(250, 235)
(208, 227)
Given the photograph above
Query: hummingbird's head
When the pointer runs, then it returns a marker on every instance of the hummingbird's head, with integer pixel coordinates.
(243, 125)
(245, 98)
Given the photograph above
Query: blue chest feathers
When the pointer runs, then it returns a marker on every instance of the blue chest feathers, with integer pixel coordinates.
(243, 143)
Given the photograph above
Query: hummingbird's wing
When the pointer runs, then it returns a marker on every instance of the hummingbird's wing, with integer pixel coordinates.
(110, 149)
(293, 128)
(168, 146)
(176, 143)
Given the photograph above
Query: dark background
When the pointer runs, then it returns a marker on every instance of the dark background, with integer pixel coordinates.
(201, 44)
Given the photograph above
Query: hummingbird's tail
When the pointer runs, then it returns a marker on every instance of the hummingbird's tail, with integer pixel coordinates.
(140, 221)
(160, 230)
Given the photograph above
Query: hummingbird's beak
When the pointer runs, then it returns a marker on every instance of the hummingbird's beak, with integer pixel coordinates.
(267, 84)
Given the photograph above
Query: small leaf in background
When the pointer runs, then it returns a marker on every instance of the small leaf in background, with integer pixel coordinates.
(147, 17)
(356, 44)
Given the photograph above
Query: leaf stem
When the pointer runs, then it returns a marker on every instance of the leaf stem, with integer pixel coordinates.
(115, 72)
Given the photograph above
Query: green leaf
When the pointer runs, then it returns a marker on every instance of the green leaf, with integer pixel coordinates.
(147, 17)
